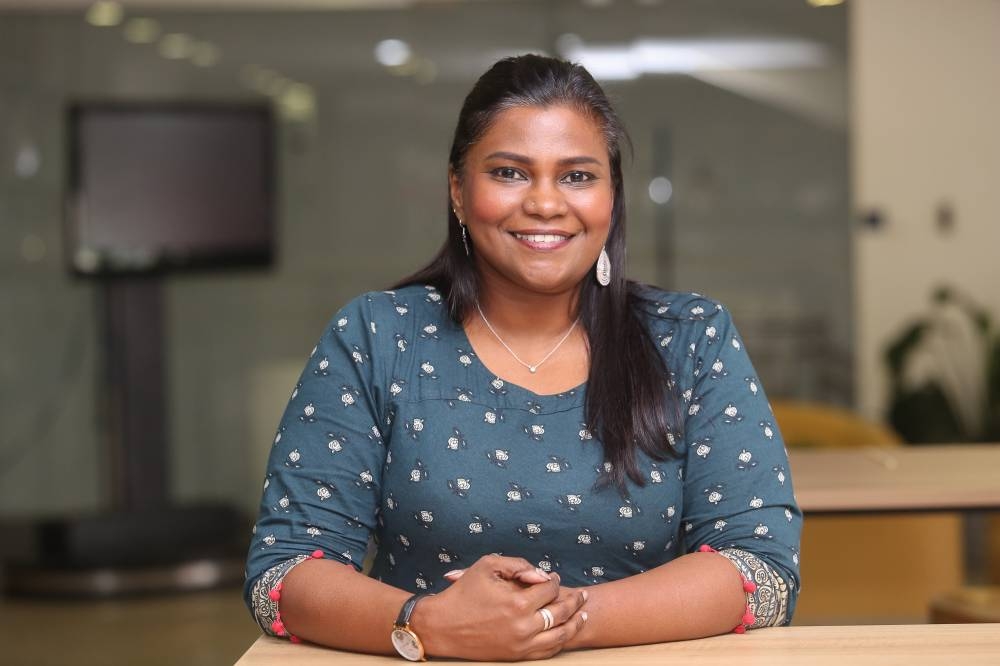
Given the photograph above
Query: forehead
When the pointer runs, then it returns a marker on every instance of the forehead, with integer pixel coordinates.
(539, 132)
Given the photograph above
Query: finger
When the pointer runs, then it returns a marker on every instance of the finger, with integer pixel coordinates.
(565, 606)
(532, 576)
(548, 618)
(546, 644)
(511, 567)
(541, 594)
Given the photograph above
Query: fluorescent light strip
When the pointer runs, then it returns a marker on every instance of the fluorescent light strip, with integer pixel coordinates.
(690, 56)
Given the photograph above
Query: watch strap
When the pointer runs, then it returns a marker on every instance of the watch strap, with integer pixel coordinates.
(407, 610)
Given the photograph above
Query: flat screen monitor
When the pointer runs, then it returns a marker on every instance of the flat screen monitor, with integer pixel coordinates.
(168, 187)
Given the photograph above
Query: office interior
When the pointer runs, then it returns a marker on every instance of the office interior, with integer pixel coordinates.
(826, 169)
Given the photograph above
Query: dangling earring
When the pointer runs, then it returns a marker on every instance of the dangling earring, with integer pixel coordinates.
(465, 239)
(465, 236)
(604, 269)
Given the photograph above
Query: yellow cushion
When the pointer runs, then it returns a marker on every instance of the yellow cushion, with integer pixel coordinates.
(827, 426)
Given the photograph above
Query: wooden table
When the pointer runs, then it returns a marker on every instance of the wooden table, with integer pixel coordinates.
(942, 477)
(948, 477)
(780, 646)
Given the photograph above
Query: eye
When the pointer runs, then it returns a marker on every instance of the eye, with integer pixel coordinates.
(578, 177)
(507, 173)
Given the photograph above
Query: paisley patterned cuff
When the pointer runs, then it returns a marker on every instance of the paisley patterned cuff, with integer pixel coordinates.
(265, 604)
(769, 602)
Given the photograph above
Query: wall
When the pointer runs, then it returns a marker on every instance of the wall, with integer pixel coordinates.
(925, 103)
(362, 199)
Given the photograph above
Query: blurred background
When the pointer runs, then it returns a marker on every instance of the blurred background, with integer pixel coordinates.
(827, 169)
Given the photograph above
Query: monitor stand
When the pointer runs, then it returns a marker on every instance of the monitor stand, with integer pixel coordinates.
(143, 542)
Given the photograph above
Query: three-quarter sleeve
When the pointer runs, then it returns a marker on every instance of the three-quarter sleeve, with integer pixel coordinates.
(322, 485)
(738, 496)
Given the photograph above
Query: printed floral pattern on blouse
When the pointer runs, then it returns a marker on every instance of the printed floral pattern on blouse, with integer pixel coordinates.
(397, 432)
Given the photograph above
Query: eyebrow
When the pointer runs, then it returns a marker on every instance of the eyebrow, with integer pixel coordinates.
(524, 159)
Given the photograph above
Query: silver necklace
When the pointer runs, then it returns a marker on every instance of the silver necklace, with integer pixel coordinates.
(531, 368)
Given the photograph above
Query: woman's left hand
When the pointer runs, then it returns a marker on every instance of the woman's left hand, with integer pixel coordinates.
(495, 611)
(531, 577)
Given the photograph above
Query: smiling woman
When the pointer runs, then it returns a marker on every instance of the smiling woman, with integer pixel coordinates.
(520, 395)
(536, 194)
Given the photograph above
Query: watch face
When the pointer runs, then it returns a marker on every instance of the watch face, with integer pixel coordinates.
(407, 644)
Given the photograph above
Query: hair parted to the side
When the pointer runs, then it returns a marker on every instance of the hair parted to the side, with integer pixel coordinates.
(630, 404)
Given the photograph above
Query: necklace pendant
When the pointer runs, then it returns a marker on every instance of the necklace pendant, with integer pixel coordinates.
(531, 368)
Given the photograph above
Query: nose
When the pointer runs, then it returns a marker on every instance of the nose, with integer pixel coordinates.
(544, 201)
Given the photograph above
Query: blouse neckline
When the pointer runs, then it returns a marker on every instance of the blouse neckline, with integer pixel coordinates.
(516, 393)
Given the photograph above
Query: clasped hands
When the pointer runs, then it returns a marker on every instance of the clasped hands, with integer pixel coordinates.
(496, 610)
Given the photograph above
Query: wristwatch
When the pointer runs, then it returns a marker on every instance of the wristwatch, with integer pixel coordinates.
(404, 639)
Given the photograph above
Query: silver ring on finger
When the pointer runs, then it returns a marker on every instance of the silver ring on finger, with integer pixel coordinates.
(547, 618)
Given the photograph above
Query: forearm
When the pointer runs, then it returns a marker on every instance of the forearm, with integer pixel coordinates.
(331, 604)
(696, 595)
(490, 614)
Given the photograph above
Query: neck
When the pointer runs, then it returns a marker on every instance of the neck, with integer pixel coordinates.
(518, 313)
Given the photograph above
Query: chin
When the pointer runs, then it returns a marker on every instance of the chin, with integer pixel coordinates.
(551, 287)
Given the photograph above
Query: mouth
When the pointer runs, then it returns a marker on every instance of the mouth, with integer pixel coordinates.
(543, 241)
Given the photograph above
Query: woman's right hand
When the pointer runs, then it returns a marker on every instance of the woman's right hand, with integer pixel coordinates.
(491, 613)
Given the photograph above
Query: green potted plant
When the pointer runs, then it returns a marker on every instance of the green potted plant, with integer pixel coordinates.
(944, 373)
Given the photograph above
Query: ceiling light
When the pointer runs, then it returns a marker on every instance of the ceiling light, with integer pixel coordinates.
(298, 102)
(606, 63)
(660, 190)
(141, 30)
(699, 55)
(392, 52)
(105, 14)
(176, 46)
(825, 3)
(691, 56)
(205, 54)
(28, 160)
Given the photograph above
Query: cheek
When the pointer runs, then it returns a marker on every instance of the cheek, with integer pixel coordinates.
(488, 204)
(594, 208)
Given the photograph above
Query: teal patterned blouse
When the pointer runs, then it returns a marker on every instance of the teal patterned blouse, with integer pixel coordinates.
(396, 431)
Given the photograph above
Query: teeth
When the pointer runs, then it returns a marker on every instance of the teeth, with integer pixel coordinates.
(541, 238)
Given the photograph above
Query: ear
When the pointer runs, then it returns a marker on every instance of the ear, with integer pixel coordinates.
(455, 190)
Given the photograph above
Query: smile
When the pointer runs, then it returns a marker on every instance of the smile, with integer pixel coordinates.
(542, 241)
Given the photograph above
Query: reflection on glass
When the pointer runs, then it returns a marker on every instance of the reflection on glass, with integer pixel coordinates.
(176, 46)
(141, 30)
(105, 14)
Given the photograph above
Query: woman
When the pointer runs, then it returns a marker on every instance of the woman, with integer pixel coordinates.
(547, 455)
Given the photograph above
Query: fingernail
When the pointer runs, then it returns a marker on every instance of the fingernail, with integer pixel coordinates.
(585, 595)
(454, 572)
(542, 572)
(584, 616)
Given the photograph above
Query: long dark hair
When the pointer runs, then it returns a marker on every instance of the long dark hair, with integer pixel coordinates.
(631, 405)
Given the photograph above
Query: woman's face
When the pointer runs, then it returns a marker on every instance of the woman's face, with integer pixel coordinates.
(536, 194)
